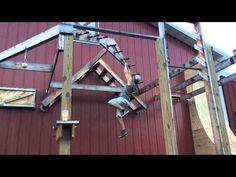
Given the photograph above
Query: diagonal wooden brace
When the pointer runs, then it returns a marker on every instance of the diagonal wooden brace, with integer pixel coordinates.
(108, 68)
(54, 96)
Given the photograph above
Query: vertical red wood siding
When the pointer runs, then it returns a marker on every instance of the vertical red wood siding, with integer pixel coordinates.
(229, 90)
(29, 131)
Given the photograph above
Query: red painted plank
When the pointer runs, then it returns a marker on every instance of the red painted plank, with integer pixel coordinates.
(229, 90)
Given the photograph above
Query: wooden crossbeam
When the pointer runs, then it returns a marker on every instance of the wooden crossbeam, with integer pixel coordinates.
(220, 66)
(30, 66)
(172, 74)
(89, 66)
(202, 90)
(55, 95)
(108, 68)
(89, 87)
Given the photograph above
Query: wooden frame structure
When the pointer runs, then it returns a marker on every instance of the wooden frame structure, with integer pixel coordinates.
(68, 33)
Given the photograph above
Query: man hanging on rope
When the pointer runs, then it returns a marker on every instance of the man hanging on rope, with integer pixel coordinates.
(123, 101)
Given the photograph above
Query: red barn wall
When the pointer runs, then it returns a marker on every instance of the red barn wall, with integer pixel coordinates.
(29, 131)
(229, 90)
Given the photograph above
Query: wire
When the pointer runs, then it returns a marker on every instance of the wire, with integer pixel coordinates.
(25, 56)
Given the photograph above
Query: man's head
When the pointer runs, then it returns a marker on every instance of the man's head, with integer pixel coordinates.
(137, 78)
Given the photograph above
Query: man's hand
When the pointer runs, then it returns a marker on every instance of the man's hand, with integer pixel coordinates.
(128, 74)
(126, 66)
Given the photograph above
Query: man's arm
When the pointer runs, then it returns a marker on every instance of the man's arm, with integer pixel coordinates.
(128, 74)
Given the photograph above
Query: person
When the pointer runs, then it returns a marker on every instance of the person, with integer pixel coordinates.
(123, 101)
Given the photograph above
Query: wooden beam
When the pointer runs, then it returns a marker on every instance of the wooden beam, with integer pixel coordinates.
(103, 73)
(65, 140)
(108, 68)
(54, 96)
(220, 66)
(172, 74)
(112, 79)
(89, 87)
(89, 66)
(202, 90)
(30, 66)
(217, 105)
(30, 43)
(166, 102)
(212, 92)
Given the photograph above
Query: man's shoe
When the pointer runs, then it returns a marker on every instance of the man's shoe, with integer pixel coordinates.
(123, 133)
(124, 112)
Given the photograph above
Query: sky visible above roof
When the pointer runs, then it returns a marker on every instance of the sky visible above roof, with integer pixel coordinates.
(221, 35)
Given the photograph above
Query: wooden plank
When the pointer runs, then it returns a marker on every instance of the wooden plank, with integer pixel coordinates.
(55, 95)
(217, 101)
(79, 75)
(16, 97)
(68, 123)
(30, 66)
(17, 89)
(110, 81)
(166, 102)
(210, 98)
(108, 68)
(225, 63)
(103, 73)
(65, 140)
(89, 87)
(50, 100)
(98, 71)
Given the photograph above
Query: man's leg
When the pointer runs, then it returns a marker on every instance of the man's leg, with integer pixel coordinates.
(114, 102)
(123, 132)
(122, 124)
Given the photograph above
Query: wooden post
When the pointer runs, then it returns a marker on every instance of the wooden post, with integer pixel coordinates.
(65, 140)
(212, 92)
(216, 104)
(165, 97)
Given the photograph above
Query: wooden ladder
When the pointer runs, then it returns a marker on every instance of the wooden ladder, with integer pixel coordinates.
(109, 76)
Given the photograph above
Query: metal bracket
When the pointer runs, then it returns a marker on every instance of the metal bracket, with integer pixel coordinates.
(60, 125)
(66, 28)
(61, 42)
